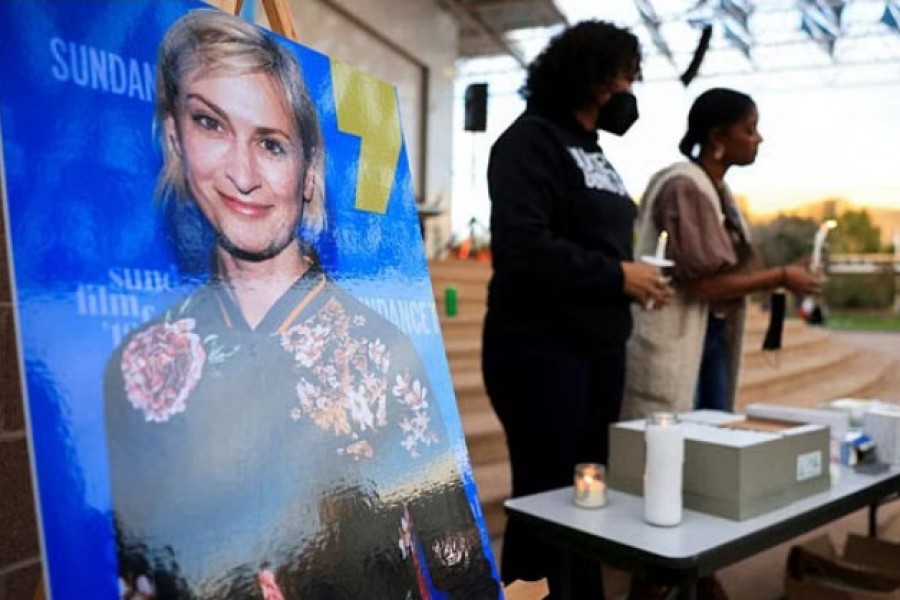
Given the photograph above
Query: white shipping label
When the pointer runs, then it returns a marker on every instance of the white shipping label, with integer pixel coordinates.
(809, 465)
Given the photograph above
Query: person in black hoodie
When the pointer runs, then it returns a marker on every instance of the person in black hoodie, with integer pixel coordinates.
(558, 313)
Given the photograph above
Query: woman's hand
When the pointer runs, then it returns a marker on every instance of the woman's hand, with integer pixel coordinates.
(646, 284)
(799, 280)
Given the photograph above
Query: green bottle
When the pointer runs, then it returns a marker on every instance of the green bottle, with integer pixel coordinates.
(450, 297)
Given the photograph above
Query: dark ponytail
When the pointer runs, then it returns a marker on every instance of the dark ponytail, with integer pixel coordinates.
(687, 143)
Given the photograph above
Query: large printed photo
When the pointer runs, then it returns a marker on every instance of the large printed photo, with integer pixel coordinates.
(235, 381)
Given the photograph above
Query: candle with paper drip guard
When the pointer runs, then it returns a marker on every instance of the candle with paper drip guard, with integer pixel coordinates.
(590, 485)
(664, 441)
(661, 244)
(658, 260)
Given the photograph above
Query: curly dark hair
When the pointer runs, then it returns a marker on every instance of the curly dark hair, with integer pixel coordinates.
(565, 75)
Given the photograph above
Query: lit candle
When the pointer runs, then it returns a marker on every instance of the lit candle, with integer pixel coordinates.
(664, 440)
(590, 488)
(661, 244)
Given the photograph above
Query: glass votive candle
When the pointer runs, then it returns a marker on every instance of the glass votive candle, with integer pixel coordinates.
(590, 485)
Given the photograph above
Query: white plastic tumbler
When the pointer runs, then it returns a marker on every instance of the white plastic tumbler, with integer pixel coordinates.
(664, 440)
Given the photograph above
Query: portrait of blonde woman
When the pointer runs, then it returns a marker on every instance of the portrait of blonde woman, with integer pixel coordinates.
(269, 435)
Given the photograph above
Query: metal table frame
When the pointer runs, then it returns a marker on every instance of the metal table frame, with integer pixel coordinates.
(702, 544)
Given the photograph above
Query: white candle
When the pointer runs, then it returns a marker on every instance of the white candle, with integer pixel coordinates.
(819, 242)
(664, 441)
(590, 487)
(661, 244)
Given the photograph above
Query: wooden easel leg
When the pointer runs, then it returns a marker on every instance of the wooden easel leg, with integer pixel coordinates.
(281, 19)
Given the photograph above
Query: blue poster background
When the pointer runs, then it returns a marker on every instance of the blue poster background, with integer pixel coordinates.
(90, 259)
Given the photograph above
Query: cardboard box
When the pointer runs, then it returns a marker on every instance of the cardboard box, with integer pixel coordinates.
(866, 571)
(837, 420)
(734, 467)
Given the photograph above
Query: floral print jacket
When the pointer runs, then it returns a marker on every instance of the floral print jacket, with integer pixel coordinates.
(303, 459)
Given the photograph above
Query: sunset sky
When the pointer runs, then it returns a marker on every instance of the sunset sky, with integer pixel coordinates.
(829, 132)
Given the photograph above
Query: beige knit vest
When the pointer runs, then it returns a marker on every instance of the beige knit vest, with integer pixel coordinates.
(665, 347)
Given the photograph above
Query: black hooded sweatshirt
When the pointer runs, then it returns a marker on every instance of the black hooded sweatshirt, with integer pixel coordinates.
(561, 222)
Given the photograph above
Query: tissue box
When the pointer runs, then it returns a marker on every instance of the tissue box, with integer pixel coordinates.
(881, 422)
(734, 467)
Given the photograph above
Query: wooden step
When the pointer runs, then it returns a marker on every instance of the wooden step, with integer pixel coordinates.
(470, 394)
(464, 326)
(886, 388)
(801, 342)
(833, 373)
(459, 270)
(755, 329)
(484, 437)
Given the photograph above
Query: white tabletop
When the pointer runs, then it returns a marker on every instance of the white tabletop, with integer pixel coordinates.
(621, 520)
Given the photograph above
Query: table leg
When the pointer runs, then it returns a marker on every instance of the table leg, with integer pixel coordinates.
(687, 589)
(565, 565)
(873, 520)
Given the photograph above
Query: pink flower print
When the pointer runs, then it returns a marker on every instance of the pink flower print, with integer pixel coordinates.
(360, 411)
(358, 361)
(416, 432)
(306, 342)
(333, 309)
(376, 387)
(268, 586)
(327, 374)
(344, 353)
(360, 449)
(330, 414)
(379, 355)
(161, 366)
(413, 395)
(359, 320)
(307, 394)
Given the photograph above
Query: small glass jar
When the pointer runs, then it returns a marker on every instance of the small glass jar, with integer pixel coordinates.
(590, 485)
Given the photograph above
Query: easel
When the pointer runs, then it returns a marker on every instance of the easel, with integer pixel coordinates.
(281, 21)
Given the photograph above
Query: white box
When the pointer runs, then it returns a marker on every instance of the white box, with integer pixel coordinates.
(881, 422)
(732, 473)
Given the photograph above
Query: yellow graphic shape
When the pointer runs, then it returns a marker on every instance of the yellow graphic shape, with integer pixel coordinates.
(367, 107)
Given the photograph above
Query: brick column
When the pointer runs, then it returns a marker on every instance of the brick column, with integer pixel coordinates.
(20, 563)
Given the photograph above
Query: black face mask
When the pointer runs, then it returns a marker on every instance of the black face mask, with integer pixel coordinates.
(619, 114)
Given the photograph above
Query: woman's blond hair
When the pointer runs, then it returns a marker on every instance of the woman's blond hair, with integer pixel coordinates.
(210, 41)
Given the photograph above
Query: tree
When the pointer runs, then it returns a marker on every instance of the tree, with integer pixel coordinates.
(785, 239)
(855, 234)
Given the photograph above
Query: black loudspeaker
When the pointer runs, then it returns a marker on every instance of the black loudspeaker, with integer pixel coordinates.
(476, 107)
(699, 53)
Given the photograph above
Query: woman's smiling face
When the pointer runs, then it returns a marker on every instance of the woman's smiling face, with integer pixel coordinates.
(242, 159)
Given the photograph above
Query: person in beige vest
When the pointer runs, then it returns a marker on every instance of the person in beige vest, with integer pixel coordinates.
(686, 355)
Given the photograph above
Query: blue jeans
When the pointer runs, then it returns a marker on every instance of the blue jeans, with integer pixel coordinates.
(712, 382)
